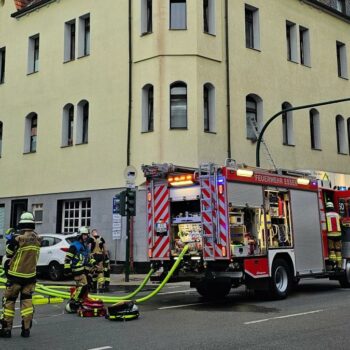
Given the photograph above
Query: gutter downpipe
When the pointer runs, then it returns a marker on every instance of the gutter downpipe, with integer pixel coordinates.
(130, 88)
(228, 92)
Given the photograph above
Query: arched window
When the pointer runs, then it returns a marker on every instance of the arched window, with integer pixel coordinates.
(340, 128)
(82, 122)
(147, 108)
(315, 129)
(30, 133)
(1, 131)
(209, 107)
(348, 127)
(254, 116)
(68, 125)
(178, 105)
(287, 125)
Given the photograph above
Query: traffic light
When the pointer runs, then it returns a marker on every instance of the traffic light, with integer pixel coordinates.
(120, 203)
(131, 202)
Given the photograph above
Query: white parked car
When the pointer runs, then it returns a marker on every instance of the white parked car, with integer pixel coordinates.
(54, 247)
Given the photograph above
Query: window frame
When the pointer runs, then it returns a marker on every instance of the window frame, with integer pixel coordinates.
(82, 125)
(209, 17)
(1, 136)
(146, 17)
(304, 46)
(38, 207)
(147, 108)
(209, 108)
(342, 60)
(287, 125)
(181, 97)
(2, 64)
(84, 36)
(340, 134)
(315, 137)
(70, 36)
(33, 54)
(183, 24)
(75, 206)
(291, 40)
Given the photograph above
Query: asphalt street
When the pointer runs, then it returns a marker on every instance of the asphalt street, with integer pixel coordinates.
(315, 316)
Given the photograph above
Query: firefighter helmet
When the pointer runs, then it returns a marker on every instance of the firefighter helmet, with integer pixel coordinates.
(329, 205)
(26, 221)
(83, 230)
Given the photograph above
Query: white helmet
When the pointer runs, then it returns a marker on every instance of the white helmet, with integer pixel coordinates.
(330, 205)
(83, 230)
(26, 218)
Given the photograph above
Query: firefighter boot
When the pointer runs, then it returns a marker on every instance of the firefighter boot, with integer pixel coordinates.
(4, 331)
(25, 333)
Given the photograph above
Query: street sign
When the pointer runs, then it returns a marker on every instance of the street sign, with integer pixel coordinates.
(130, 174)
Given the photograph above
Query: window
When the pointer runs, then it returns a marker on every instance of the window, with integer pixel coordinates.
(75, 213)
(340, 129)
(2, 64)
(177, 14)
(68, 125)
(291, 36)
(209, 107)
(348, 127)
(47, 241)
(1, 131)
(252, 36)
(342, 60)
(33, 54)
(37, 210)
(147, 108)
(30, 137)
(253, 116)
(315, 129)
(83, 122)
(340, 5)
(304, 41)
(178, 105)
(287, 125)
(69, 41)
(84, 36)
(209, 16)
(146, 16)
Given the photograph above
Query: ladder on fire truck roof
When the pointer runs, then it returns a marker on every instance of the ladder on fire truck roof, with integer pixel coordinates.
(208, 184)
(267, 152)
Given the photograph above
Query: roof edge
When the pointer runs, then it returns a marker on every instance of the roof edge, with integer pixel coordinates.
(30, 8)
(332, 11)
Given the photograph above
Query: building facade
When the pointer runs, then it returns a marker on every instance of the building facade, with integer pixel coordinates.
(87, 88)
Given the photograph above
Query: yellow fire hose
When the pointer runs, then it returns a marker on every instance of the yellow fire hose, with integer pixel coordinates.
(52, 291)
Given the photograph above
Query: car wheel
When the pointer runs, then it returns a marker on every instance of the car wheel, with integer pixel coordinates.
(55, 271)
(345, 279)
(280, 281)
(214, 289)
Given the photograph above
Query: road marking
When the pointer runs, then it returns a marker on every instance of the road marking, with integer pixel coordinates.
(103, 348)
(177, 291)
(178, 306)
(286, 316)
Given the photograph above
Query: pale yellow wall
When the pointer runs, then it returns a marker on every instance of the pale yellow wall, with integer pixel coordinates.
(269, 75)
(161, 58)
(100, 78)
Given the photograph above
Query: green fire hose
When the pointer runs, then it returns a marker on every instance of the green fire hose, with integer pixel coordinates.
(52, 291)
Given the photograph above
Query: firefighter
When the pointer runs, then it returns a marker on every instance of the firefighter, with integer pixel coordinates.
(23, 250)
(9, 235)
(78, 262)
(98, 252)
(106, 271)
(334, 235)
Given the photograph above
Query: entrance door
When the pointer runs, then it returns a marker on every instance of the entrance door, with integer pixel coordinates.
(18, 206)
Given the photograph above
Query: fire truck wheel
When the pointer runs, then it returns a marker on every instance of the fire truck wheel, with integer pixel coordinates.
(214, 289)
(280, 280)
(345, 280)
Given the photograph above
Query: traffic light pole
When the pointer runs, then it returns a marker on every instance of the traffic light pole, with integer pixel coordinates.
(127, 246)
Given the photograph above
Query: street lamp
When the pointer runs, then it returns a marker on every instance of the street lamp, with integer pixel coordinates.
(288, 110)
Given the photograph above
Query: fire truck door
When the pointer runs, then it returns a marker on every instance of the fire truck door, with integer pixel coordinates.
(158, 210)
(307, 232)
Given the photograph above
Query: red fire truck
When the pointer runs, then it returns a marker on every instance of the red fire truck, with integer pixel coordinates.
(264, 229)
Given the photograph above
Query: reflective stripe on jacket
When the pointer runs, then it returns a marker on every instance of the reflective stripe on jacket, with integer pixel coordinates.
(26, 249)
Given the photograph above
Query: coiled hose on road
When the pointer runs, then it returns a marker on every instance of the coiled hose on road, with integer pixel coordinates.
(53, 291)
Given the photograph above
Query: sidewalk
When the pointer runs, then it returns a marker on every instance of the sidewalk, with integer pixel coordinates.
(118, 279)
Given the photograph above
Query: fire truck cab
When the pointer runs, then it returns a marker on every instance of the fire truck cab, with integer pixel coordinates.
(243, 225)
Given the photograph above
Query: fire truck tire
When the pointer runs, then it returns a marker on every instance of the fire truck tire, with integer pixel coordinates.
(280, 281)
(214, 289)
(345, 280)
